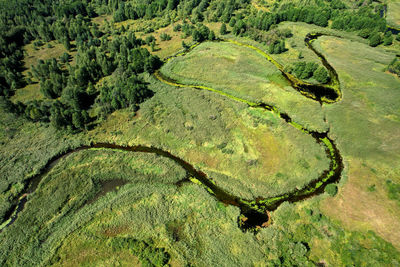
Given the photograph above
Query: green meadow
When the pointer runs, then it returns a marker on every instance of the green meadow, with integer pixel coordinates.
(243, 73)
(186, 79)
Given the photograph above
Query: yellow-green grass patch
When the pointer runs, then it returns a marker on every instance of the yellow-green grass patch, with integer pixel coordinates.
(166, 48)
(249, 152)
(365, 125)
(393, 13)
(244, 73)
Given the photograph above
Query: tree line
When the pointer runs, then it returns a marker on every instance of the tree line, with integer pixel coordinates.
(70, 90)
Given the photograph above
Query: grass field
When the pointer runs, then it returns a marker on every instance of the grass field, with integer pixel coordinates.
(67, 187)
(296, 44)
(393, 13)
(361, 71)
(185, 223)
(243, 73)
(24, 149)
(206, 129)
(170, 47)
(165, 49)
(100, 207)
(370, 114)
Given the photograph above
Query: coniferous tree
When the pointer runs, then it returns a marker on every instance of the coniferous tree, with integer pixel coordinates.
(223, 29)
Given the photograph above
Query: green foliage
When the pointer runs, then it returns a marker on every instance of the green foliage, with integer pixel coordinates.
(232, 22)
(64, 117)
(51, 76)
(150, 39)
(177, 27)
(321, 75)
(37, 111)
(185, 46)
(201, 33)
(393, 190)
(211, 36)
(148, 254)
(306, 70)
(65, 58)
(239, 28)
(223, 29)
(277, 47)
(331, 189)
(394, 66)
(165, 37)
(388, 38)
(371, 188)
(364, 33)
(125, 93)
(375, 39)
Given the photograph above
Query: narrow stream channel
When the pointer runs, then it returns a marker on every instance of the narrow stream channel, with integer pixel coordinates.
(254, 213)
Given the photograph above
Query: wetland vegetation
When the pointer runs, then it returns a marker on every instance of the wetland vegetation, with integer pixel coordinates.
(218, 132)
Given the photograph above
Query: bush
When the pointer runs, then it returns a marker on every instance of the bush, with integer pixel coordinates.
(148, 254)
(150, 39)
(388, 39)
(277, 47)
(177, 27)
(394, 66)
(125, 93)
(375, 39)
(331, 189)
(393, 190)
(321, 75)
(305, 70)
(364, 33)
(165, 37)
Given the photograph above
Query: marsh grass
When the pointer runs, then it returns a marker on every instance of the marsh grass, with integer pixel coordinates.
(243, 73)
(231, 142)
(393, 13)
(24, 149)
(369, 114)
(65, 190)
(186, 222)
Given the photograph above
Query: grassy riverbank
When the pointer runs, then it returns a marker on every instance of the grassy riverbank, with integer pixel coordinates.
(206, 129)
(243, 73)
(369, 113)
(163, 222)
(107, 207)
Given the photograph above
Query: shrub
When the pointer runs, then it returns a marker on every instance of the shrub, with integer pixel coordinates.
(165, 37)
(177, 28)
(388, 39)
(331, 189)
(321, 75)
(375, 39)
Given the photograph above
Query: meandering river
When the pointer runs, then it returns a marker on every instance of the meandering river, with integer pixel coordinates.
(254, 212)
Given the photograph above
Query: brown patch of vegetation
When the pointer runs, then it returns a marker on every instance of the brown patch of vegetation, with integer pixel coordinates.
(359, 209)
(114, 231)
